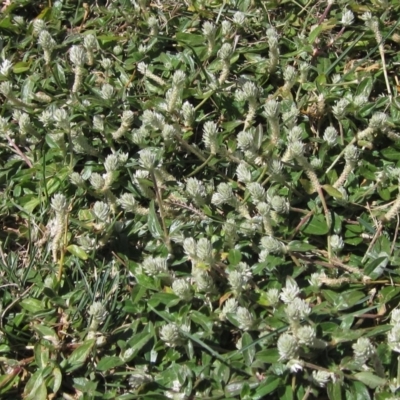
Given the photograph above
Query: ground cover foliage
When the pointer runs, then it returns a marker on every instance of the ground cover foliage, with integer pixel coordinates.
(199, 200)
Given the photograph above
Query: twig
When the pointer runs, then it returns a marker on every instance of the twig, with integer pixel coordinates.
(18, 151)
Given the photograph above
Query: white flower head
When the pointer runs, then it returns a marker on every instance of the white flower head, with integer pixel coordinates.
(290, 291)
(150, 158)
(244, 318)
(394, 338)
(395, 317)
(272, 296)
(107, 91)
(59, 203)
(183, 289)
(239, 18)
(321, 378)
(287, 346)
(295, 365)
(297, 310)
(230, 307)
(347, 18)
(78, 56)
(170, 334)
(154, 266)
(6, 67)
(317, 279)
(330, 136)
(363, 350)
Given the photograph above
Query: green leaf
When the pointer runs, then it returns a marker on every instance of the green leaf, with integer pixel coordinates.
(235, 388)
(334, 390)
(190, 38)
(348, 299)
(6, 24)
(316, 226)
(30, 204)
(384, 192)
(41, 356)
(297, 245)
(77, 251)
(80, 354)
(250, 351)
(234, 257)
(375, 268)
(222, 372)
(314, 34)
(45, 331)
(153, 224)
(7, 381)
(21, 67)
(288, 394)
(332, 191)
(359, 391)
(109, 362)
(35, 388)
(86, 386)
(56, 381)
(371, 380)
(147, 282)
(269, 356)
(139, 341)
(168, 299)
(32, 305)
(138, 292)
(391, 153)
(105, 39)
(354, 241)
(267, 386)
(388, 293)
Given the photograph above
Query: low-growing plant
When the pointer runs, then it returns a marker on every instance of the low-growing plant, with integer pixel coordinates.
(199, 200)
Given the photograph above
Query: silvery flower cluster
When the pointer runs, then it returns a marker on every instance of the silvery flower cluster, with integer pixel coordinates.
(300, 334)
